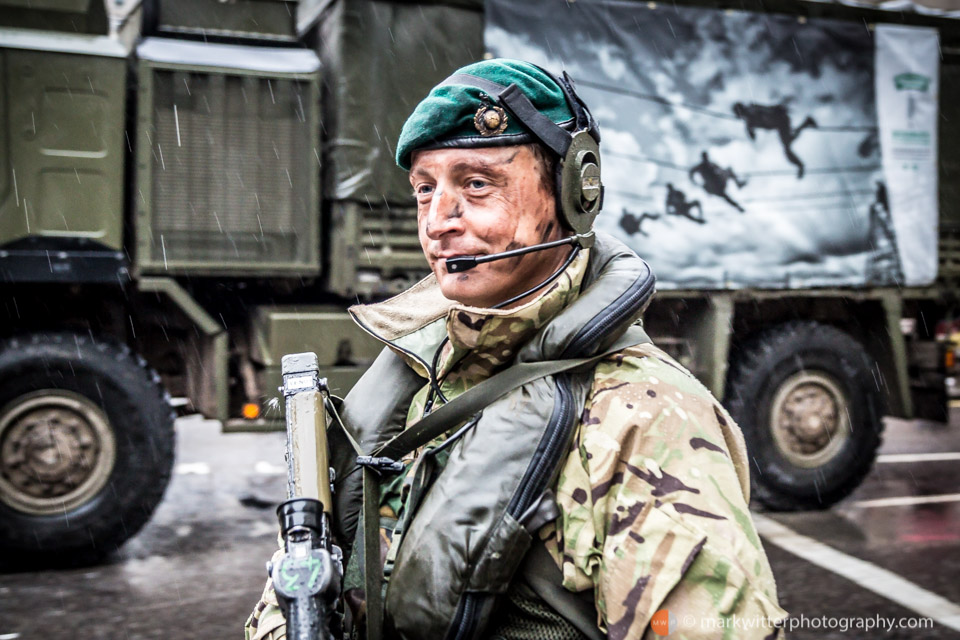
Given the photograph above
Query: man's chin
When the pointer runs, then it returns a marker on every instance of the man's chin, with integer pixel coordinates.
(465, 288)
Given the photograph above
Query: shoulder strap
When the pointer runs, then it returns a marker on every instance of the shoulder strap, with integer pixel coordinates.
(483, 394)
(372, 574)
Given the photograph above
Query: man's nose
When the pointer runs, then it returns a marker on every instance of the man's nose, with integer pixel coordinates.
(445, 213)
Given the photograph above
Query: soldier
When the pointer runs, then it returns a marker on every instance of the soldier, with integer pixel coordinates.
(572, 505)
(632, 224)
(775, 118)
(678, 205)
(714, 179)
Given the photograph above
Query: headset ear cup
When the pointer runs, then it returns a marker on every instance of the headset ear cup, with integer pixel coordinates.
(580, 185)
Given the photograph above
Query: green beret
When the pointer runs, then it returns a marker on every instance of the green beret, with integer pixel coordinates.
(455, 114)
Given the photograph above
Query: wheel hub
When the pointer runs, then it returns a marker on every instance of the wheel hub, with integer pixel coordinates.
(56, 452)
(809, 420)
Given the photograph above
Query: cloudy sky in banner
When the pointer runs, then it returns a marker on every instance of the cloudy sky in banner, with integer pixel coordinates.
(663, 84)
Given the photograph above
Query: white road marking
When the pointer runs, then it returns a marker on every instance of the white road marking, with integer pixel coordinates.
(871, 577)
(269, 469)
(193, 468)
(919, 457)
(907, 500)
(9, 636)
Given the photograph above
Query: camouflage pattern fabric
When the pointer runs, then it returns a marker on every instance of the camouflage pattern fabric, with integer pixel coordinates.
(653, 494)
(653, 501)
(267, 621)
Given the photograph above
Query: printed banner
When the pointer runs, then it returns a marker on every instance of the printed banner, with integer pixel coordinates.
(908, 61)
(739, 149)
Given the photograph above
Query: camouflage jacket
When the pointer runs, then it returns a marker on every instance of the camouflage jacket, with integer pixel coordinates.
(653, 500)
(653, 494)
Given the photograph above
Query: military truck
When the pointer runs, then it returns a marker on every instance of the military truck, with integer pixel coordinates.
(190, 189)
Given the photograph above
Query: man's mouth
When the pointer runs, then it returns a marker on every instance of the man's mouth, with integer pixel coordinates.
(450, 255)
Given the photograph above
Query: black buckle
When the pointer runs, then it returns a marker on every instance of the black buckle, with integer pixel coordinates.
(381, 464)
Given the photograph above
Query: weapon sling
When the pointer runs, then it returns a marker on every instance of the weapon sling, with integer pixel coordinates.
(433, 425)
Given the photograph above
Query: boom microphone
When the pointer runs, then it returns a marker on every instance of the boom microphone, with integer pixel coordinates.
(457, 265)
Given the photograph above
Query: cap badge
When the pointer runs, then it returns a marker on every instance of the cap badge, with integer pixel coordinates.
(490, 120)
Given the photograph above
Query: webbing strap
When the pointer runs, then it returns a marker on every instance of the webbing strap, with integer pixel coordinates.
(546, 130)
(372, 574)
(483, 394)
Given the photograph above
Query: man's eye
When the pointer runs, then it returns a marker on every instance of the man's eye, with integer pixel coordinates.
(424, 190)
(478, 184)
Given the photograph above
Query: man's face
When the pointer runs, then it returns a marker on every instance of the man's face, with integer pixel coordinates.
(473, 202)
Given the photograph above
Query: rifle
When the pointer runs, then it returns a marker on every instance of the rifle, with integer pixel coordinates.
(307, 577)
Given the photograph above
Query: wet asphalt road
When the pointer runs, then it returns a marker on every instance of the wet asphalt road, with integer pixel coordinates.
(197, 568)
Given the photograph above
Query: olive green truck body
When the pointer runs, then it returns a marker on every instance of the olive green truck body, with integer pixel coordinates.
(206, 186)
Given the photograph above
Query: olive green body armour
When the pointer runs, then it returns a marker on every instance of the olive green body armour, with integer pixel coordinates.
(464, 537)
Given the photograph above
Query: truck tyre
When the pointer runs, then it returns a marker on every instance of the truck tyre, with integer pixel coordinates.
(806, 398)
(86, 446)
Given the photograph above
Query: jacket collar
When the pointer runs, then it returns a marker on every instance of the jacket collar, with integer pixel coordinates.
(414, 323)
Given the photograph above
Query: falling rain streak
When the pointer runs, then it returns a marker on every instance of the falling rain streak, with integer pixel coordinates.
(176, 122)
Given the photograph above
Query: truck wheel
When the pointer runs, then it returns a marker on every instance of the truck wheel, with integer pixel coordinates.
(805, 396)
(86, 445)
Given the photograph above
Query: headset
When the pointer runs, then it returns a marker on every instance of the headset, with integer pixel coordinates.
(579, 189)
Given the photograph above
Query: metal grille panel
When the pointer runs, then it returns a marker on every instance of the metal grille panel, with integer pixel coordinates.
(390, 243)
(232, 157)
